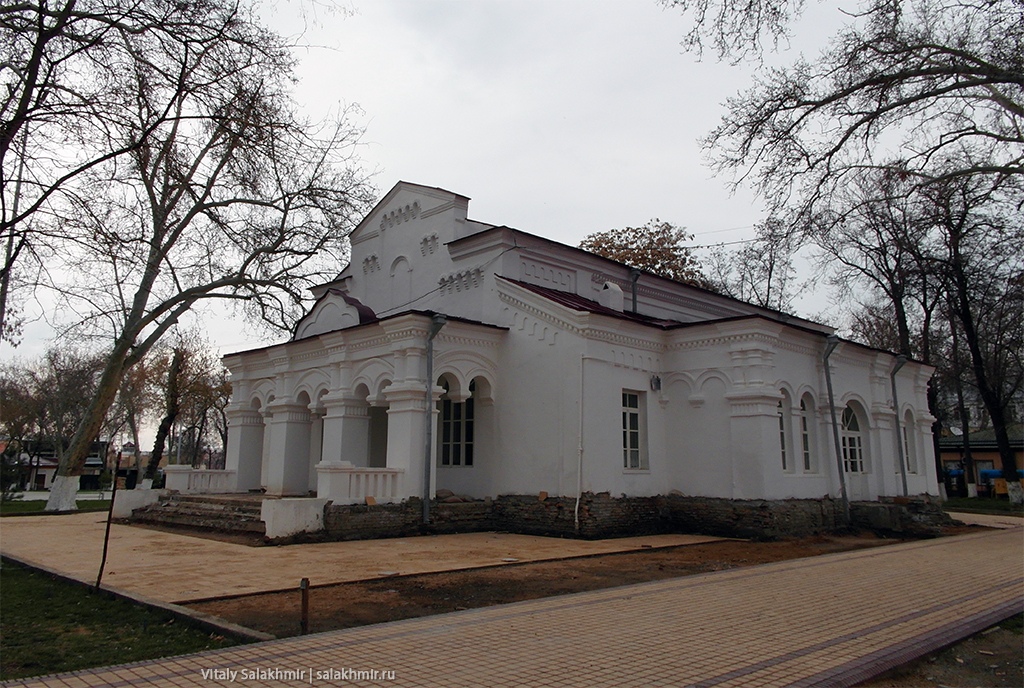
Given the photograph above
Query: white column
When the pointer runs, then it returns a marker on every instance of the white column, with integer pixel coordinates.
(756, 453)
(407, 435)
(245, 446)
(346, 429)
(316, 436)
(288, 465)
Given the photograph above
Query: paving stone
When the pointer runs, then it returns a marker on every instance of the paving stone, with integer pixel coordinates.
(829, 620)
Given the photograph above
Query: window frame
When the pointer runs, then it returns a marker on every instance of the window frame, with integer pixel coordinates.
(634, 430)
(806, 437)
(909, 442)
(457, 436)
(783, 443)
(852, 442)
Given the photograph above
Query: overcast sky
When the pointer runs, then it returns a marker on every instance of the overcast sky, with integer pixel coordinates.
(557, 117)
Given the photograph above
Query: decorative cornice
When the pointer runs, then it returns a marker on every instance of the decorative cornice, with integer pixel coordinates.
(462, 340)
(601, 334)
(371, 263)
(463, 280)
(437, 209)
(429, 243)
(400, 215)
(718, 340)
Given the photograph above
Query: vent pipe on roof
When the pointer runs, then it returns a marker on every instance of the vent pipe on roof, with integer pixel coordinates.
(634, 275)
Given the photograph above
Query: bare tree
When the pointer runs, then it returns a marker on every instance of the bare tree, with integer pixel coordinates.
(211, 187)
(195, 393)
(657, 247)
(20, 414)
(172, 406)
(906, 85)
(760, 272)
(63, 65)
(984, 283)
(736, 29)
(949, 250)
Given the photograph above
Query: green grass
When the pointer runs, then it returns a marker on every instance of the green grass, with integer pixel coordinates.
(37, 505)
(49, 626)
(986, 505)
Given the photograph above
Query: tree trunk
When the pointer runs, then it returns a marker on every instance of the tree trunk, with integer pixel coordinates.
(989, 395)
(72, 461)
(172, 413)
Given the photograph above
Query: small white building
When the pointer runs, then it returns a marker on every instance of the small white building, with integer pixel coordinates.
(556, 371)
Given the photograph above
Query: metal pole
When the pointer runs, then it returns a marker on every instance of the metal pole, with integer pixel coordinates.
(304, 620)
(832, 342)
(110, 513)
(436, 323)
(901, 361)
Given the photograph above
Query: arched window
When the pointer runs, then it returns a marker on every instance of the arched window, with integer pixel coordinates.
(787, 450)
(909, 445)
(852, 442)
(783, 449)
(806, 441)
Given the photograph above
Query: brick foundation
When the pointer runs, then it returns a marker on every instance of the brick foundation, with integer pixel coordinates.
(601, 515)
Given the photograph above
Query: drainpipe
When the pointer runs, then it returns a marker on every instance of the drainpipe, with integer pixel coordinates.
(634, 275)
(436, 323)
(832, 341)
(579, 457)
(901, 361)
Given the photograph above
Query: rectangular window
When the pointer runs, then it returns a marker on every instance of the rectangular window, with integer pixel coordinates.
(634, 450)
(853, 456)
(457, 432)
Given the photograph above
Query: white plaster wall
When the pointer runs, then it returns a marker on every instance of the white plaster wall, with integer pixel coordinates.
(712, 431)
(535, 410)
(417, 223)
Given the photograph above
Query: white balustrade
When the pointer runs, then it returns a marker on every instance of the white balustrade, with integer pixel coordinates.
(188, 480)
(344, 483)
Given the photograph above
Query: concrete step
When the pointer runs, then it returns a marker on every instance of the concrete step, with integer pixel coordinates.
(226, 525)
(222, 514)
(219, 507)
(213, 500)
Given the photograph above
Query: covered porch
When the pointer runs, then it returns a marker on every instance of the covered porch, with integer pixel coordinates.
(343, 416)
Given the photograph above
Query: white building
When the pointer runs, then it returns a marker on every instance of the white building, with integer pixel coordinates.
(547, 379)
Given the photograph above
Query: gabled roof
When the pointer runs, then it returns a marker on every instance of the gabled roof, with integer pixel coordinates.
(578, 303)
(738, 307)
(401, 186)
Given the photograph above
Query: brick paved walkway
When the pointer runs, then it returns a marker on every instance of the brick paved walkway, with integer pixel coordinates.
(149, 562)
(829, 620)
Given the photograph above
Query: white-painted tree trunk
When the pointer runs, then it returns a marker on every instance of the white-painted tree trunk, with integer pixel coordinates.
(63, 492)
(144, 484)
(1015, 492)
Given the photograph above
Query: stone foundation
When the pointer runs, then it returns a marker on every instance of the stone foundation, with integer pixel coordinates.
(753, 518)
(601, 516)
(902, 516)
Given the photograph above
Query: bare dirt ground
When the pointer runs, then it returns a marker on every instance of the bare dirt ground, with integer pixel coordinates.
(990, 659)
(360, 603)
